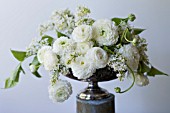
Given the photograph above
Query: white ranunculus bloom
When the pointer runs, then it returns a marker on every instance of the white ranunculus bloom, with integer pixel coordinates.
(131, 55)
(140, 79)
(104, 32)
(68, 58)
(50, 60)
(41, 52)
(83, 47)
(82, 33)
(98, 56)
(60, 91)
(82, 68)
(63, 45)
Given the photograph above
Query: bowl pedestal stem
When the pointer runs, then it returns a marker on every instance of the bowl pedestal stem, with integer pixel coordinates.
(95, 100)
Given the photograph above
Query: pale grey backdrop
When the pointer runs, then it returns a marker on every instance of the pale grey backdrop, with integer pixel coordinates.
(18, 23)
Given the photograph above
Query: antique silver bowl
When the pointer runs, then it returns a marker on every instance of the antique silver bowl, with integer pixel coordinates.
(93, 91)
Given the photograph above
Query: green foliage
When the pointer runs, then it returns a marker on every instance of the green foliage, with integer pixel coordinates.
(36, 63)
(14, 78)
(126, 37)
(143, 67)
(108, 50)
(131, 17)
(149, 70)
(119, 20)
(137, 31)
(50, 39)
(59, 34)
(19, 55)
(153, 71)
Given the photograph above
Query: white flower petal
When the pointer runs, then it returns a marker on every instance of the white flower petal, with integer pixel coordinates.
(82, 33)
(60, 92)
(82, 68)
(50, 60)
(131, 55)
(98, 56)
(104, 32)
(83, 47)
(41, 52)
(63, 45)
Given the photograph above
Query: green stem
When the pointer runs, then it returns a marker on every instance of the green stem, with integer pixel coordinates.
(108, 50)
(124, 32)
(124, 36)
(131, 84)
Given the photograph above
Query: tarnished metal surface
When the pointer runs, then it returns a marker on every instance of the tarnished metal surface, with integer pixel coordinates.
(93, 92)
(101, 75)
(96, 106)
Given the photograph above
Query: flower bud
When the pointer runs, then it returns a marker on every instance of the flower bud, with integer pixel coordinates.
(32, 68)
(131, 17)
(134, 41)
(117, 89)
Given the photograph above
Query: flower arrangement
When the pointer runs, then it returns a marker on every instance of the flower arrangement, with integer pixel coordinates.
(83, 45)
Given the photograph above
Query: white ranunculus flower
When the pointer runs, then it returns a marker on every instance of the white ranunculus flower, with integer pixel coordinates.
(82, 33)
(82, 68)
(60, 91)
(50, 60)
(104, 32)
(41, 52)
(140, 79)
(63, 45)
(98, 56)
(131, 55)
(83, 47)
(67, 59)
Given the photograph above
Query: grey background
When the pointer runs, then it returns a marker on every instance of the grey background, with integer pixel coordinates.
(18, 23)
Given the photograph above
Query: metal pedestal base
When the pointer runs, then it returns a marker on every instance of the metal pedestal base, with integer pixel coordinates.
(106, 105)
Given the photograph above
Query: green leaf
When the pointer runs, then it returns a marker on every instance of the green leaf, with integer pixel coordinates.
(137, 31)
(59, 34)
(143, 67)
(14, 78)
(19, 55)
(35, 61)
(153, 71)
(16, 73)
(10, 83)
(36, 74)
(119, 20)
(50, 39)
(37, 64)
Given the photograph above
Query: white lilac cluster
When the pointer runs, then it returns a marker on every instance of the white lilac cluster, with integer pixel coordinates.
(45, 27)
(85, 45)
(63, 21)
(35, 45)
(117, 62)
(82, 16)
